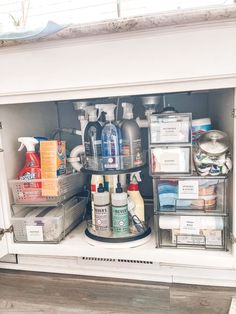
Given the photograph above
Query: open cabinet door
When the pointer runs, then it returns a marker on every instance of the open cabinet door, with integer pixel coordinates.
(3, 240)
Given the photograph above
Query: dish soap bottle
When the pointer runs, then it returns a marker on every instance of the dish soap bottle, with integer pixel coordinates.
(31, 169)
(120, 216)
(130, 142)
(110, 139)
(95, 181)
(92, 139)
(133, 192)
(102, 211)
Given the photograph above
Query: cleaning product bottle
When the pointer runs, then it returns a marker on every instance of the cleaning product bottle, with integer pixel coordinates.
(134, 220)
(92, 139)
(110, 139)
(110, 183)
(120, 217)
(31, 169)
(95, 181)
(130, 143)
(133, 192)
(102, 211)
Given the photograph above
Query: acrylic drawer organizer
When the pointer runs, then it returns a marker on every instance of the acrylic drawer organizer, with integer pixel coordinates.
(47, 224)
(166, 160)
(190, 193)
(114, 164)
(46, 191)
(170, 128)
(192, 231)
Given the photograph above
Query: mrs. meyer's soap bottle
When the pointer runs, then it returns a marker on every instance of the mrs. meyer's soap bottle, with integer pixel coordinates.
(102, 211)
(120, 216)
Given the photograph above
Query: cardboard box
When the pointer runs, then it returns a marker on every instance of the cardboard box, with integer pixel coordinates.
(53, 164)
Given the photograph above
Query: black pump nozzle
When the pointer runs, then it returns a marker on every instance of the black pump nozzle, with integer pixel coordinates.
(101, 188)
(119, 188)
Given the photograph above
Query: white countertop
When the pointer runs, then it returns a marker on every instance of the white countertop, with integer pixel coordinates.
(121, 25)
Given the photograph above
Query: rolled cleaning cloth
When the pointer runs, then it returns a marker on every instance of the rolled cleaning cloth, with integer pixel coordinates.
(206, 222)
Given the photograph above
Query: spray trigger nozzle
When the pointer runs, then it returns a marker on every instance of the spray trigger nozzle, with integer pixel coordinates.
(28, 142)
(21, 147)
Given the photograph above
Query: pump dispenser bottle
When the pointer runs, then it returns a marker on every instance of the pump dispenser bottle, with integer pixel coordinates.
(102, 211)
(95, 181)
(130, 143)
(92, 139)
(110, 139)
(120, 216)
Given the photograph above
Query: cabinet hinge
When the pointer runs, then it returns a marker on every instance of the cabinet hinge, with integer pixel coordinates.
(232, 238)
(3, 231)
(234, 113)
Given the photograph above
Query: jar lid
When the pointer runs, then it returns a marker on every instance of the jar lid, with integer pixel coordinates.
(214, 142)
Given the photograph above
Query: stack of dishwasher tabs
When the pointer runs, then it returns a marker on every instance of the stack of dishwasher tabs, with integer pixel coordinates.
(117, 209)
(112, 145)
(46, 206)
(189, 199)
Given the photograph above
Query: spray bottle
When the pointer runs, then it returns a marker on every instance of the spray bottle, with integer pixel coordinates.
(31, 169)
(130, 143)
(133, 192)
(110, 139)
(92, 139)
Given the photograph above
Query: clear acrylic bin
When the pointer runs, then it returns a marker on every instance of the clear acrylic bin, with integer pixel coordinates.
(192, 231)
(170, 160)
(192, 193)
(170, 128)
(47, 224)
(46, 191)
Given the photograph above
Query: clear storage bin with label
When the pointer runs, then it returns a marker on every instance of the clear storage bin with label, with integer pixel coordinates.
(47, 224)
(170, 160)
(193, 231)
(191, 193)
(46, 191)
(170, 128)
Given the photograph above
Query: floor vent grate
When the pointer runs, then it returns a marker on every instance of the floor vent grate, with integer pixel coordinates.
(113, 260)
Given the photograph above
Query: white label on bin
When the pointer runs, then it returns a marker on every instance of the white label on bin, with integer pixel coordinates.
(170, 132)
(188, 189)
(190, 225)
(34, 233)
(169, 162)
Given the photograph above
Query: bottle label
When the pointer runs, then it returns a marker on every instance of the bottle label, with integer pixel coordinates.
(131, 153)
(120, 220)
(110, 149)
(93, 148)
(102, 217)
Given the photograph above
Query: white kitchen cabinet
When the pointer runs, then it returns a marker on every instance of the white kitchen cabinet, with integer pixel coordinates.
(198, 59)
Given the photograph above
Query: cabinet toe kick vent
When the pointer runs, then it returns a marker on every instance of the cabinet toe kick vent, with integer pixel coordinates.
(114, 261)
